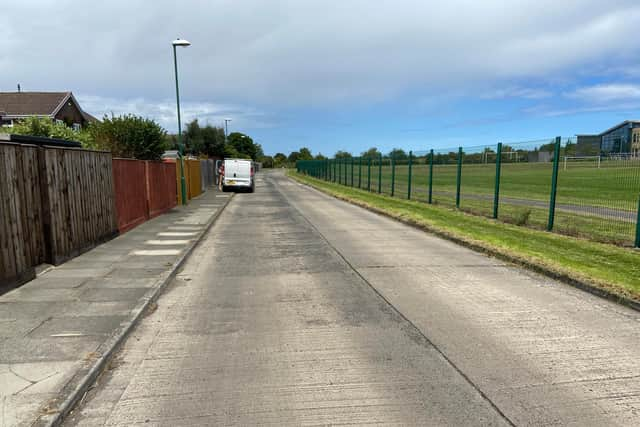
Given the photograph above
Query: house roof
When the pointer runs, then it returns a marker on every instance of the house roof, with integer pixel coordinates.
(625, 123)
(32, 103)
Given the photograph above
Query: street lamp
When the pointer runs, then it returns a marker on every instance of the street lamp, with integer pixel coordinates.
(225, 129)
(183, 185)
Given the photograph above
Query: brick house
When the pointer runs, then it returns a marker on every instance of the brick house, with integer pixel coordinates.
(58, 106)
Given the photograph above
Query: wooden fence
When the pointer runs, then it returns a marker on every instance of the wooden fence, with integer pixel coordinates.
(161, 187)
(22, 243)
(130, 186)
(55, 203)
(143, 190)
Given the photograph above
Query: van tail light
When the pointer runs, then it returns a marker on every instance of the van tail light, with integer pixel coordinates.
(251, 170)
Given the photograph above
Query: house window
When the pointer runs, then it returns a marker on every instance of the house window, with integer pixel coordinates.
(59, 122)
(76, 126)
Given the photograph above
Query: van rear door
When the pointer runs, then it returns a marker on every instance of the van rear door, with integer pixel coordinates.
(237, 173)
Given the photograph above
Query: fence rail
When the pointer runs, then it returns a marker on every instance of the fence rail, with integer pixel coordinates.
(594, 197)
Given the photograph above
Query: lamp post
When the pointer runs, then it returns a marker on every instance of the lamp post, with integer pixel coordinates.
(183, 186)
(225, 129)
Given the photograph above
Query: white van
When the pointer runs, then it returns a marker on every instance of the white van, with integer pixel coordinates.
(238, 174)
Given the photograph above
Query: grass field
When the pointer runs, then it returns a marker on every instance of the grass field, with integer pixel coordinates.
(608, 267)
(599, 203)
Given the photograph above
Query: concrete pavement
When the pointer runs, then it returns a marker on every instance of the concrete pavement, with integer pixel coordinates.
(300, 309)
(56, 330)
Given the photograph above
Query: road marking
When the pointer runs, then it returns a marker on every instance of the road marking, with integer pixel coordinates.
(68, 334)
(176, 234)
(156, 252)
(166, 242)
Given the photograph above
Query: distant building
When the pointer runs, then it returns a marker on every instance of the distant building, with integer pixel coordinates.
(588, 145)
(623, 138)
(59, 106)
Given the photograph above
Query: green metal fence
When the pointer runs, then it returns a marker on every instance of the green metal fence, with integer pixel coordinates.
(541, 184)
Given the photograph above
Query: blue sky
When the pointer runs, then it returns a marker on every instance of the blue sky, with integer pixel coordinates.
(348, 74)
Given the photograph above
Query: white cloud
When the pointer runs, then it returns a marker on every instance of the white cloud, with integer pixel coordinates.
(517, 92)
(164, 112)
(291, 53)
(606, 93)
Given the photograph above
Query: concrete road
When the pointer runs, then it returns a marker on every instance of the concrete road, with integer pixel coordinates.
(299, 309)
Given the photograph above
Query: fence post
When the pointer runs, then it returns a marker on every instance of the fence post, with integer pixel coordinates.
(409, 183)
(369, 174)
(393, 174)
(431, 176)
(352, 161)
(554, 184)
(637, 245)
(339, 171)
(359, 172)
(459, 178)
(496, 194)
(380, 174)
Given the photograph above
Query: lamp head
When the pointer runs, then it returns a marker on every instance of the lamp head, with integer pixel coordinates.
(181, 42)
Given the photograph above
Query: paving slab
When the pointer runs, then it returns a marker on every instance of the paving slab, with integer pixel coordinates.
(59, 329)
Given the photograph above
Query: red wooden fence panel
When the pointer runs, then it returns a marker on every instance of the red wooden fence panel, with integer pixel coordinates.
(161, 187)
(130, 184)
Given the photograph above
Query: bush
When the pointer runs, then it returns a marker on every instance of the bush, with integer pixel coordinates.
(129, 136)
(45, 127)
(522, 217)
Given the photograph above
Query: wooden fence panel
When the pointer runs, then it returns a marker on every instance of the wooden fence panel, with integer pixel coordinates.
(195, 178)
(161, 187)
(21, 238)
(130, 185)
(79, 189)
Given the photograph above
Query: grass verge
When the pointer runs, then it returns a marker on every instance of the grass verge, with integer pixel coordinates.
(604, 269)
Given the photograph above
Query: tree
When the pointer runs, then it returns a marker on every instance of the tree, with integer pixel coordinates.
(243, 145)
(398, 154)
(129, 136)
(267, 161)
(279, 160)
(342, 155)
(305, 154)
(294, 156)
(319, 156)
(192, 138)
(213, 141)
(371, 153)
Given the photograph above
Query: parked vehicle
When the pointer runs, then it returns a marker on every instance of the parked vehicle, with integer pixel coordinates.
(238, 174)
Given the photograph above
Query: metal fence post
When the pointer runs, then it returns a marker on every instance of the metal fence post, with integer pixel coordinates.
(369, 174)
(431, 176)
(333, 175)
(554, 184)
(496, 194)
(359, 172)
(409, 183)
(352, 171)
(339, 171)
(459, 178)
(380, 174)
(393, 174)
(637, 245)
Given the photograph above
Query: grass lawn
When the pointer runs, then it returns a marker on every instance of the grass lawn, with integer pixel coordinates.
(615, 185)
(607, 267)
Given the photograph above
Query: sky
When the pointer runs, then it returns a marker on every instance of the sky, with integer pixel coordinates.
(339, 74)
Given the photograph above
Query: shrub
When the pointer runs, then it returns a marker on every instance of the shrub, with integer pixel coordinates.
(522, 217)
(45, 127)
(129, 136)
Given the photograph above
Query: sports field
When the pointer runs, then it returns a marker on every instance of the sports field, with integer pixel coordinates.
(599, 203)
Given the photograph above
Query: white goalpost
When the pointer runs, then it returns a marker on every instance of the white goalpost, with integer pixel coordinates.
(582, 159)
